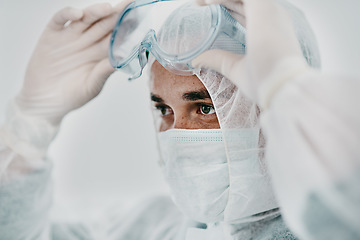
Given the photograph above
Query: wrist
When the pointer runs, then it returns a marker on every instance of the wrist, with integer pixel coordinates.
(26, 134)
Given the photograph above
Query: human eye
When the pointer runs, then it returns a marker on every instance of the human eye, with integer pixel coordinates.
(164, 110)
(206, 109)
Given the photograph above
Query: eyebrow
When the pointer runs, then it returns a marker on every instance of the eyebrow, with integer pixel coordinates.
(196, 95)
(188, 96)
(156, 98)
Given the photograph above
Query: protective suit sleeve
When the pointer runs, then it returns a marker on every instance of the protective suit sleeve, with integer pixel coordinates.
(24, 204)
(312, 127)
(25, 186)
(25, 181)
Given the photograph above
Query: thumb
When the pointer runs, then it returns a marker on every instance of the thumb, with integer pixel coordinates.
(98, 77)
(229, 64)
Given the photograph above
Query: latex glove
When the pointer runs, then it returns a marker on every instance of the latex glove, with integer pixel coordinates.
(68, 68)
(273, 52)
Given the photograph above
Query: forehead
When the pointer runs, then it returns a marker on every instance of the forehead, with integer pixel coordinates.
(165, 82)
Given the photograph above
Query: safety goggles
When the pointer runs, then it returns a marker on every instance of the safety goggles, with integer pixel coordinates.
(174, 32)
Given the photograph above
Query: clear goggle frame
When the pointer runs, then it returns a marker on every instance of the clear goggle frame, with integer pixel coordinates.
(147, 27)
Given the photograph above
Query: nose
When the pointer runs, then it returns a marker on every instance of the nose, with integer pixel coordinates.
(179, 122)
(184, 122)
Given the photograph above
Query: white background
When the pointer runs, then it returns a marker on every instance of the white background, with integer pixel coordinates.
(106, 151)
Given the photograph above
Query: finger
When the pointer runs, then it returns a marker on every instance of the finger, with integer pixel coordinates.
(63, 16)
(104, 45)
(228, 64)
(100, 49)
(237, 7)
(234, 7)
(93, 14)
(99, 30)
(237, 11)
(121, 6)
(98, 77)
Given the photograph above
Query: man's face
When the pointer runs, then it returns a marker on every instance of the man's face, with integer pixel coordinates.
(182, 101)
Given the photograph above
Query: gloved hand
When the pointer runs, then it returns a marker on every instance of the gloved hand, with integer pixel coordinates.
(69, 65)
(68, 68)
(273, 52)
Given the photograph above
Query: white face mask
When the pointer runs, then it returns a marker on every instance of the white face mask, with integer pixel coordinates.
(207, 186)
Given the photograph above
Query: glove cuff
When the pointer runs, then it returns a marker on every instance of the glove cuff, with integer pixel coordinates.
(283, 72)
(27, 135)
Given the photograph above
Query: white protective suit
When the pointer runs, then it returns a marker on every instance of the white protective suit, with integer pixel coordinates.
(25, 193)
